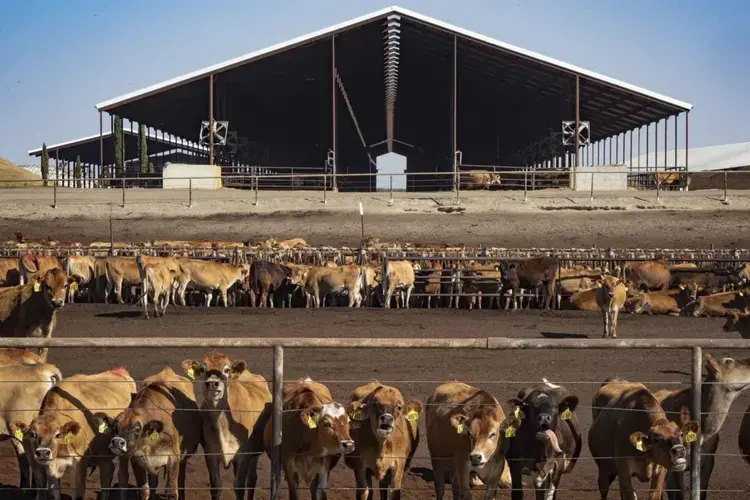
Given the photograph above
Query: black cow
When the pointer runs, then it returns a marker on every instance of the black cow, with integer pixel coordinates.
(530, 274)
(710, 280)
(547, 442)
(267, 280)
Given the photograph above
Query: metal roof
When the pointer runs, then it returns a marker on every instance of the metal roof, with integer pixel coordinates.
(344, 26)
(703, 159)
(105, 135)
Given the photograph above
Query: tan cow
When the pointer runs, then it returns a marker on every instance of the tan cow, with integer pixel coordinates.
(683, 266)
(156, 281)
(23, 389)
(233, 401)
(738, 322)
(384, 427)
(575, 279)
(10, 272)
(119, 270)
(70, 430)
(479, 179)
(429, 282)
(160, 429)
(611, 294)
(31, 310)
(721, 304)
(467, 435)
(210, 277)
(316, 432)
(33, 266)
(15, 356)
(631, 436)
(649, 275)
(584, 300)
(324, 280)
(397, 275)
(83, 269)
(482, 278)
(293, 243)
(671, 302)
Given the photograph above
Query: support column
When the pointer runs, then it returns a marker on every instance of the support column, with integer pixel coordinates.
(334, 96)
(211, 119)
(666, 138)
(101, 143)
(454, 105)
(648, 129)
(578, 119)
(687, 115)
(656, 146)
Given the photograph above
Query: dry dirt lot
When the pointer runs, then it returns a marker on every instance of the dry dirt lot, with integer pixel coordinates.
(416, 373)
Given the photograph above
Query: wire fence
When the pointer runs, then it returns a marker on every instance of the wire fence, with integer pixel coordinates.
(276, 410)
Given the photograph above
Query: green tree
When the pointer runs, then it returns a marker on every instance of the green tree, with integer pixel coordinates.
(77, 171)
(45, 164)
(119, 144)
(143, 149)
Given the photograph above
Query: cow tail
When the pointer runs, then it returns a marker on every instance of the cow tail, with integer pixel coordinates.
(626, 273)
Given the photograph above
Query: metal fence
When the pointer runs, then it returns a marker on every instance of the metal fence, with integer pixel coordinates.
(484, 343)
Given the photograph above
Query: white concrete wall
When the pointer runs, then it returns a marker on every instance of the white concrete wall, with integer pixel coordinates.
(175, 176)
(606, 178)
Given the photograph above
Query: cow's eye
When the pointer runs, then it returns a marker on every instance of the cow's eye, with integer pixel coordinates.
(32, 435)
(57, 435)
(492, 435)
(226, 369)
(327, 424)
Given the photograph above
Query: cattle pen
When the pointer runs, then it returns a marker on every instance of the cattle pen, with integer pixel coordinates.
(492, 344)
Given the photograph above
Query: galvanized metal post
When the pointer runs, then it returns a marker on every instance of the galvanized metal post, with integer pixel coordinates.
(687, 133)
(257, 181)
(666, 141)
(333, 108)
(695, 450)
(391, 181)
(123, 192)
(54, 193)
(658, 183)
(325, 191)
(656, 146)
(526, 184)
(454, 105)
(631, 150)
(648, 130)
(190, 192)
(211, 119)
(591, 199)
(639, 148)
(725, 200)
(278, 403)
(675, 141)
(617, 148)
(578, 119)
(101, 143)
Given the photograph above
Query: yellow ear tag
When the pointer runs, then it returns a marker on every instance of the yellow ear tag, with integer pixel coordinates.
(354, 424)
(73, 286)
(356, 404)
(599, 285)
(154, 436)
(103, 427)
(682, 287)
(742, 294)
(510, 432)
(358, 415)
(311, 423)
(639, 445)
(461, 429)
(18, 434)
(37, 286)
(565, 415)
(68, 439)
(518, 413)
(191, 373)
(412, 416)
(691, 437)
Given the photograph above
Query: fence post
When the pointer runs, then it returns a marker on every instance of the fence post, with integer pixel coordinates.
(695, 448)
(391, 179)
(725, 200)
(123, 192)
(526, 184)
(658, 186)
(278, 382)
(190, 192)
(325, 190)
(591, 199)
(255, 176)
(458, 187)
(54, 193)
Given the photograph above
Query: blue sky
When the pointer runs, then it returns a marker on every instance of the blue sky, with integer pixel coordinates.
(57, 59)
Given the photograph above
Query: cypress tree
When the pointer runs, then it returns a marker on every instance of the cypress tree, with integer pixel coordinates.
(77, 171)
(143, 149)
(45, 164)
(119, 144)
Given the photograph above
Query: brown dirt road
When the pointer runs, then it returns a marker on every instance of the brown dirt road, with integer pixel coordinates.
(415, 373)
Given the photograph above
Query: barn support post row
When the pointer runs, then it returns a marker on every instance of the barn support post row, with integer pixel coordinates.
(334, 129)
(211, 119)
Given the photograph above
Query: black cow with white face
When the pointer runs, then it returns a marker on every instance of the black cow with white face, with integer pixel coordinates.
(547, 442)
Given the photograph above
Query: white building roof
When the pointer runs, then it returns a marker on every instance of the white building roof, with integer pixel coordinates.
(702, 159)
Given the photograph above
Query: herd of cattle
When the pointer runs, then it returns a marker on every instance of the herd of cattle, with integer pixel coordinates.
(97, 420)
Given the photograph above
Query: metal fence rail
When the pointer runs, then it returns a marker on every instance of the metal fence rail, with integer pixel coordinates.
(491, 343)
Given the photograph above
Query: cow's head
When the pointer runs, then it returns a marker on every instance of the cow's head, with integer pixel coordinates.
(215, 371)
(330, 422)
(609, 285)
(665, 442)
(690, 291)
(384, 409)
(494, 179)
(541, 412)
(486, 430)
(51, 435)
(637, 305)
(54, 285)
(297, 275)
(134, 432)
(734, 374)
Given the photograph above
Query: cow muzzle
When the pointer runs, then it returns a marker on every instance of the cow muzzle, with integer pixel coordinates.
(347, 446)
(385, 425)
(548, 436)
(43, 455)
(477, 459)
(213, 386)
(58, 303)
(118, 446)
(679, 458)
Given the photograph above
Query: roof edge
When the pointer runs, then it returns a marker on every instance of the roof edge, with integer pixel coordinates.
(104, 135)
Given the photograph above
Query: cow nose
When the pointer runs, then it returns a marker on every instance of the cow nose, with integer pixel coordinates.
(42, 453)
(386, 419)
(58, 303)
(347, 446)
(475, 458)
(212, 385)
(678, 451)
(545, 421)
(118, 443)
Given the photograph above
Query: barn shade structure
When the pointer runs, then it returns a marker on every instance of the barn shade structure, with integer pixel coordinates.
(395, 80)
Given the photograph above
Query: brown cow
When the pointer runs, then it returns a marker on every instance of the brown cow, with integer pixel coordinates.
(467, 434)
(721, 304)
(233, 401)
(671, 302)
(157, 280)
(482, 278)
(385, 432)
(316, 432)
(15, 356)
(210, 277)
(397, 275)
(478, 179)
(119, 270)
(611, 293)
(726, 380)
(33, 266)
(83, 269)
(24, 387)
(161, 428)
(31, 310)
(429, 282)
(531, 274)
(649, 275)
(324, 280)
(738, 322)
(632, 436)
(71, 431)
(585, 300)
(574, 279)
(10, 272)
(170, 264)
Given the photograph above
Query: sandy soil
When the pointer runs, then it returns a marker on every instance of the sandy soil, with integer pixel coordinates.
(416, 374)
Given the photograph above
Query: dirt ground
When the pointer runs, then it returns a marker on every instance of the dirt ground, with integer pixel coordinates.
(642, 229)
(415, 373)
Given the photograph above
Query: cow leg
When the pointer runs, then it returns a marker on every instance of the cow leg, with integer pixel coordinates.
(605, 481)
(53, 490)
(319, 486)
(251, 477)
(385, 486)
(438, 472)
(463, 480)
(181, 478)
(605, 316)
(516, 471)
(79, 472)
(388, 296)
(214, 476)
(209, 298)
(625, 479)
(270, 299)
(615, 313)
(224, 298)
(361, 477)
(106, 473)
(657, 484)
(240, 476)
(118, 291)
(123, 477)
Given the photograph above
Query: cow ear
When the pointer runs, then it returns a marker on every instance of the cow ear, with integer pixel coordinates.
(18, 430)
(310, 417)
(103, 422)
(459, 422)
(413, 409)
(691, 431)
(569, 403)
(192, 369)
(711, 364)
(509, 427)
(238, 366)
(640, 441)
(517, 401)
(71, 427)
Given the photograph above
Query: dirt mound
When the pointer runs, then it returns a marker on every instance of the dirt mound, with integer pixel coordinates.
(9, 171)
